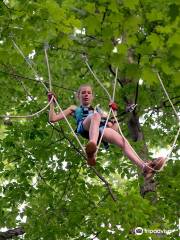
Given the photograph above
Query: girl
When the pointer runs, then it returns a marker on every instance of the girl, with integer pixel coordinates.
(90, 124)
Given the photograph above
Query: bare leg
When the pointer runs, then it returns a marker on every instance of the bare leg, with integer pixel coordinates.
(114, 137)
(91, 124)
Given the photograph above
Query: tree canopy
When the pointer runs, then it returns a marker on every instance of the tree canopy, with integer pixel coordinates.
(46, 188)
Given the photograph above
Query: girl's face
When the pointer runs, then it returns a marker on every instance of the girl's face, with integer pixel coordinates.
(85, 96)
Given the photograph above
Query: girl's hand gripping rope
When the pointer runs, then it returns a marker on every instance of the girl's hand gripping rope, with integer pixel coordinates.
(50, 96)
(113, 105)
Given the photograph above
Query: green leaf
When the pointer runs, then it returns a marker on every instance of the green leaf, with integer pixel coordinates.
(175, 50)
(149, 76)
(176, 78)
(113, 6)
(166, 68)
(92, 24)
(131, 4)
(174, 39)
(155, 41)
(90, 7)
(122, 49)
(133, 71)
(155, 15)
(54, 9)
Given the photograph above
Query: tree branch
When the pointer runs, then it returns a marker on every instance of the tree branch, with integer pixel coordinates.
(106, 184)
(114, 74)
(137, 92)
(11, 233)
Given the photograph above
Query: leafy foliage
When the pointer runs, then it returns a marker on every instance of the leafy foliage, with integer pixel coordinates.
(41, 165)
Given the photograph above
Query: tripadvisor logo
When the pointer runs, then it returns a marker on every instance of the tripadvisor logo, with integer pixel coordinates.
(140, 231)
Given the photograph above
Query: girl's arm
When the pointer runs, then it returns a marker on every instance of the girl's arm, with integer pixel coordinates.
(54, 117)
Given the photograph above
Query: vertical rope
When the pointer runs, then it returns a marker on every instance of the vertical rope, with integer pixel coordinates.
(50, 87)
(178, 132)
(107, 119)
(47, 62)
(173, 145)
(167, 95)
(97, 79)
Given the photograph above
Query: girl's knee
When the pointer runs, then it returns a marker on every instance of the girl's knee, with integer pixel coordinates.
(96, 117)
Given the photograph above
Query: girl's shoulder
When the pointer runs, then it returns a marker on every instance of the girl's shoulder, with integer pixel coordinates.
(72, 108)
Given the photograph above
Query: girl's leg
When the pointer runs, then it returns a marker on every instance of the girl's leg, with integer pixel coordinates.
(91, 124)
(114, 137)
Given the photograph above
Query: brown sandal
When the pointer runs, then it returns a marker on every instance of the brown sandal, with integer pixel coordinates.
(90, 151)
(159, 163)
(153, 166)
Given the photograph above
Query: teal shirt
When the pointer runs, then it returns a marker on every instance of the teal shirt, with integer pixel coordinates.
(82, 112)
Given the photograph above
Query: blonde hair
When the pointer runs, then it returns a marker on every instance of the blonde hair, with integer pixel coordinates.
(81, 86)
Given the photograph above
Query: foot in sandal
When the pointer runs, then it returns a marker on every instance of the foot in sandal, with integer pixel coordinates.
(152, 166)
(91, 152)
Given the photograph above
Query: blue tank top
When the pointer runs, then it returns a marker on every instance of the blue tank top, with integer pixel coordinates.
(82, 112)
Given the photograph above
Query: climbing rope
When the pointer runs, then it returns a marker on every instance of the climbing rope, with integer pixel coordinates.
(46, 47)
(56, 102)
(97, 79)
(104, 127)
(111, 110)
(29, 64)
(178, 132)
(167, 95)
(28, 116)
(36, 74)
(73, 132)
(173, 145)
(50, 86)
